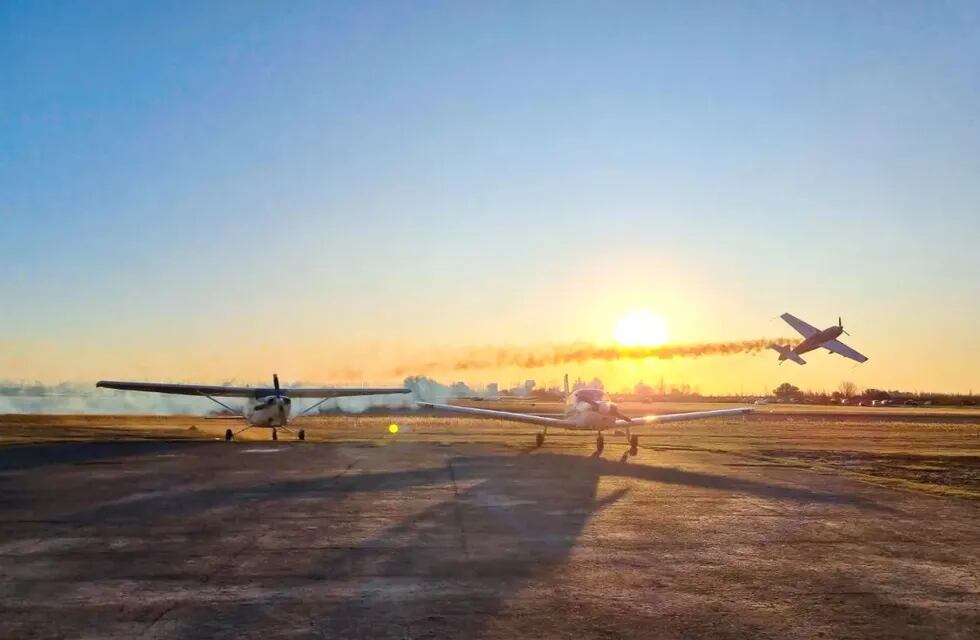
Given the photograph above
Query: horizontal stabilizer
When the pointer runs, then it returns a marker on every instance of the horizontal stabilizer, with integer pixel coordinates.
(786, 353)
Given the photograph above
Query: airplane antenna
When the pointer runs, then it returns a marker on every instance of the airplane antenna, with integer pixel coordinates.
(566, 385)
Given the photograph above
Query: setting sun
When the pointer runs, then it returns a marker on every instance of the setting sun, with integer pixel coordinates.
(641, 328)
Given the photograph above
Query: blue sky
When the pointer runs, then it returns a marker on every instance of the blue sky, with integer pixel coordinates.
(198, 179)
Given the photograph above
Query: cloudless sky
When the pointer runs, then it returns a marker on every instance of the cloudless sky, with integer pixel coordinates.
(220, 189)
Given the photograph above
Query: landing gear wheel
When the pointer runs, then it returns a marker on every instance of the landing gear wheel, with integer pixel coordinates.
(228, 435)
(634, 445)
(275, 435)
(302, 434)
(539, 440)
(600, 442)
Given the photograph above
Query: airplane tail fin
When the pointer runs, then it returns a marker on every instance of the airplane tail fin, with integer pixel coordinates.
(786, 353)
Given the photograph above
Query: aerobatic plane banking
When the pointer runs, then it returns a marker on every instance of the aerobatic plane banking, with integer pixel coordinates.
(265, 408)
(814, 338)
(588, 410)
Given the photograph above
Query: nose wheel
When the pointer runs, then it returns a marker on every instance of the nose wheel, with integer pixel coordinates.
(275, 434)
(634, 444)
(302, 434)
(600, 443)
(539, 440)
(228, 435)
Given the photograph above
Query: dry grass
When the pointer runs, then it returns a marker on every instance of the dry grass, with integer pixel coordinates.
(918, 451)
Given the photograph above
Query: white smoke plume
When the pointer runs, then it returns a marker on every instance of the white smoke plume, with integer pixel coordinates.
(79, 398)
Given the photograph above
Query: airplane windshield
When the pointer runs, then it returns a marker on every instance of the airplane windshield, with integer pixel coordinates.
(589, 395)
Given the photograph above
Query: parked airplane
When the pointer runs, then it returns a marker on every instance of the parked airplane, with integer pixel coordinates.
(814, 338)
(266, 408)
(588, 410)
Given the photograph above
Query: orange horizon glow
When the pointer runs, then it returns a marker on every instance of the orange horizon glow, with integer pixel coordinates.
(427, 347)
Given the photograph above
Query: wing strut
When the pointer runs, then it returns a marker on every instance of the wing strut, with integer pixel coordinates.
(311, 408)
(236, 411)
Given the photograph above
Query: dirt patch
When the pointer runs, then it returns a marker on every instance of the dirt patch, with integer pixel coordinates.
(941, 471)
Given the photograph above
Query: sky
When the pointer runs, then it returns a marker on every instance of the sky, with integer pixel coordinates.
(215, 191)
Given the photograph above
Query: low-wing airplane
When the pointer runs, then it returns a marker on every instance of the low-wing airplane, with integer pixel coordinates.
(588, 410)
(814, 338)
(266, 408)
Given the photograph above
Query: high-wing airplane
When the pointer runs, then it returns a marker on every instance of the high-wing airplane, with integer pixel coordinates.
(266, 408)
(814, 338)
(588, 410)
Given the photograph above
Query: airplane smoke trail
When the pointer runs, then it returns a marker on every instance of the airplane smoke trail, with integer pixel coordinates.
(533, 358)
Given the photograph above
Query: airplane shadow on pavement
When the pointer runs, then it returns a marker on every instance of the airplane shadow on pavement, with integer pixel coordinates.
(447, 569)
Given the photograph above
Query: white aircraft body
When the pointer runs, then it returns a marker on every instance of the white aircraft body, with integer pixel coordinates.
(588, 410)
(265, 408)
(814, 338)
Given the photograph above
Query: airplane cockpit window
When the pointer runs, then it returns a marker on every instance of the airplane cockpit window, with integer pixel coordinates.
(589, 395)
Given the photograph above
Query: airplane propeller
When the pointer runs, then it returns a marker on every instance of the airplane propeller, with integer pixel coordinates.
(613, 409)
(619, 414)
(282, 409)
(840, 323)
(595, 404)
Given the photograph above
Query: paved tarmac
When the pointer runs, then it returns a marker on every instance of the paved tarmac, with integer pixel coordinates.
(428, 540)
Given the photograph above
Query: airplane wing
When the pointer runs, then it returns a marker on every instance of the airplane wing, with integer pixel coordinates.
(838, 347)
(243, 392)
(340, 392)
(804, 329)
(179, 389)
(691, 415)
(499, 415)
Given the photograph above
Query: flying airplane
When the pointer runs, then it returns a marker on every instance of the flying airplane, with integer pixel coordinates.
(814, 338)
(266, 408)
(588, 410)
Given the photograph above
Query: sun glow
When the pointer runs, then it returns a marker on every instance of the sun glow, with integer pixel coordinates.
(641, 329)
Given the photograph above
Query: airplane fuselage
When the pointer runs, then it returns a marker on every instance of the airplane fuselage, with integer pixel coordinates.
(268, 411)
(817, 339)
(591, 416)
